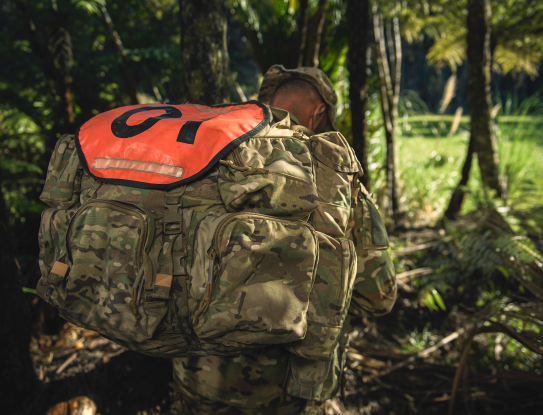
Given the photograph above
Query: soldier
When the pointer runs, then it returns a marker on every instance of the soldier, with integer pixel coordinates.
(257, 383)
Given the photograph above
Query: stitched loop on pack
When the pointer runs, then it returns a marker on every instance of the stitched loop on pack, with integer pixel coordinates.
(247, 171)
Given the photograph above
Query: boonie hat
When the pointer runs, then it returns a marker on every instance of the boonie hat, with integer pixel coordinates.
(278, 74)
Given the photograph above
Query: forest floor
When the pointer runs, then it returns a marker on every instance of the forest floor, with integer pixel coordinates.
(392, 367)
(78, 362)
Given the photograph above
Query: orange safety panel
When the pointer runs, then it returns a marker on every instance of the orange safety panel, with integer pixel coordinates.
(162, 146)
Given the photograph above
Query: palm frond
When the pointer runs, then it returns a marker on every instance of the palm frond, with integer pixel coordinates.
(450, 50)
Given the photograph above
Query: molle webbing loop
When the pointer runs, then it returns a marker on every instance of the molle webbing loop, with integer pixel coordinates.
(247, 171)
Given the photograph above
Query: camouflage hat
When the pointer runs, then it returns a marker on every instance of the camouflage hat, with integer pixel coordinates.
(277, 74)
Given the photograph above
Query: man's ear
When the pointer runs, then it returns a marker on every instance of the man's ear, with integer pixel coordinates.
(316, 116)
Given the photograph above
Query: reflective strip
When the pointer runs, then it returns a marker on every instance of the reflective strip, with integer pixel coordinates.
(161, 169)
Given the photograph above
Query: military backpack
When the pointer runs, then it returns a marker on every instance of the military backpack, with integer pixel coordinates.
(188, 230)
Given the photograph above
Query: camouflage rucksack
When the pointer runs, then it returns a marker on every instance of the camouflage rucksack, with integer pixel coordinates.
(236, 245)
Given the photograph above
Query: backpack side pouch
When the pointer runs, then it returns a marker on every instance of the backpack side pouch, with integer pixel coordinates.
(63, 181)
(375, 284)
(335, 169)
(317, 380)
(51, 240)
(330, 298)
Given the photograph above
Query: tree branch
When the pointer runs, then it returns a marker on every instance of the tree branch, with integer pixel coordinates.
(119, 48)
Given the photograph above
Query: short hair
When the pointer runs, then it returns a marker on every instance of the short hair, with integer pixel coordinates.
(297, 86)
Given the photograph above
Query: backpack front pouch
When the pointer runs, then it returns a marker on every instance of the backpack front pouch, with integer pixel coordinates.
(253, 286)
(100, 279)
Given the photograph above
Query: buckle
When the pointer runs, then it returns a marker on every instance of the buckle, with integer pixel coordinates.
(173, 221)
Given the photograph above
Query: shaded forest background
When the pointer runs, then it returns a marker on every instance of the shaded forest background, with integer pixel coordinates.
(442, 103)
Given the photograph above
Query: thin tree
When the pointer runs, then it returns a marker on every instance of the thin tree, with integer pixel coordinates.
(389, 80)
(479, 60)
(314, 46)
(203, 50)
(358, 24)
(482, 139)
(60, 46)
(303, 23)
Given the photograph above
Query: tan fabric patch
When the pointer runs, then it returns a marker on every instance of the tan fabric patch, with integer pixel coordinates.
(163, 280)
(60, 269)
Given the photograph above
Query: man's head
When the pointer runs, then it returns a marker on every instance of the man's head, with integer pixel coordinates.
(301, 98)
(305, 92)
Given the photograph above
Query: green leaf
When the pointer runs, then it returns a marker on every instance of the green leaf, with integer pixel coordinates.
(18, 166)
(429, 301)
(438, 299)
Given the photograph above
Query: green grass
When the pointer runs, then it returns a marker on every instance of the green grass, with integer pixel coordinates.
(429, 168)
(466, 118)
(430, 124)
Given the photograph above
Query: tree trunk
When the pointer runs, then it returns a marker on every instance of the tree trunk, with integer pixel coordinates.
(55, 65)
(204, 52)
(17, 376)
(389, 80)
(357, 34)
(315, 43)
(130, 84)
(479, 61)
(303, 21)
(455, 204)
(60, 46)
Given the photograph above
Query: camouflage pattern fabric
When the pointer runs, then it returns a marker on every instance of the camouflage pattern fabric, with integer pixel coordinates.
(331, 296)
(249, 384)
(277, 75)
(216, 382)
(375, 286)
(131, 262)
(373, 293)
(335, 168)
(63, 181)
(266, 249)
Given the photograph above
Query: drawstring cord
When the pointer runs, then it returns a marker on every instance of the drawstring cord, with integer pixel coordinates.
(247, 171)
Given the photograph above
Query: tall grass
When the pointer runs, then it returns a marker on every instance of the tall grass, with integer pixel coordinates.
(429, 168)
(520, 149)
